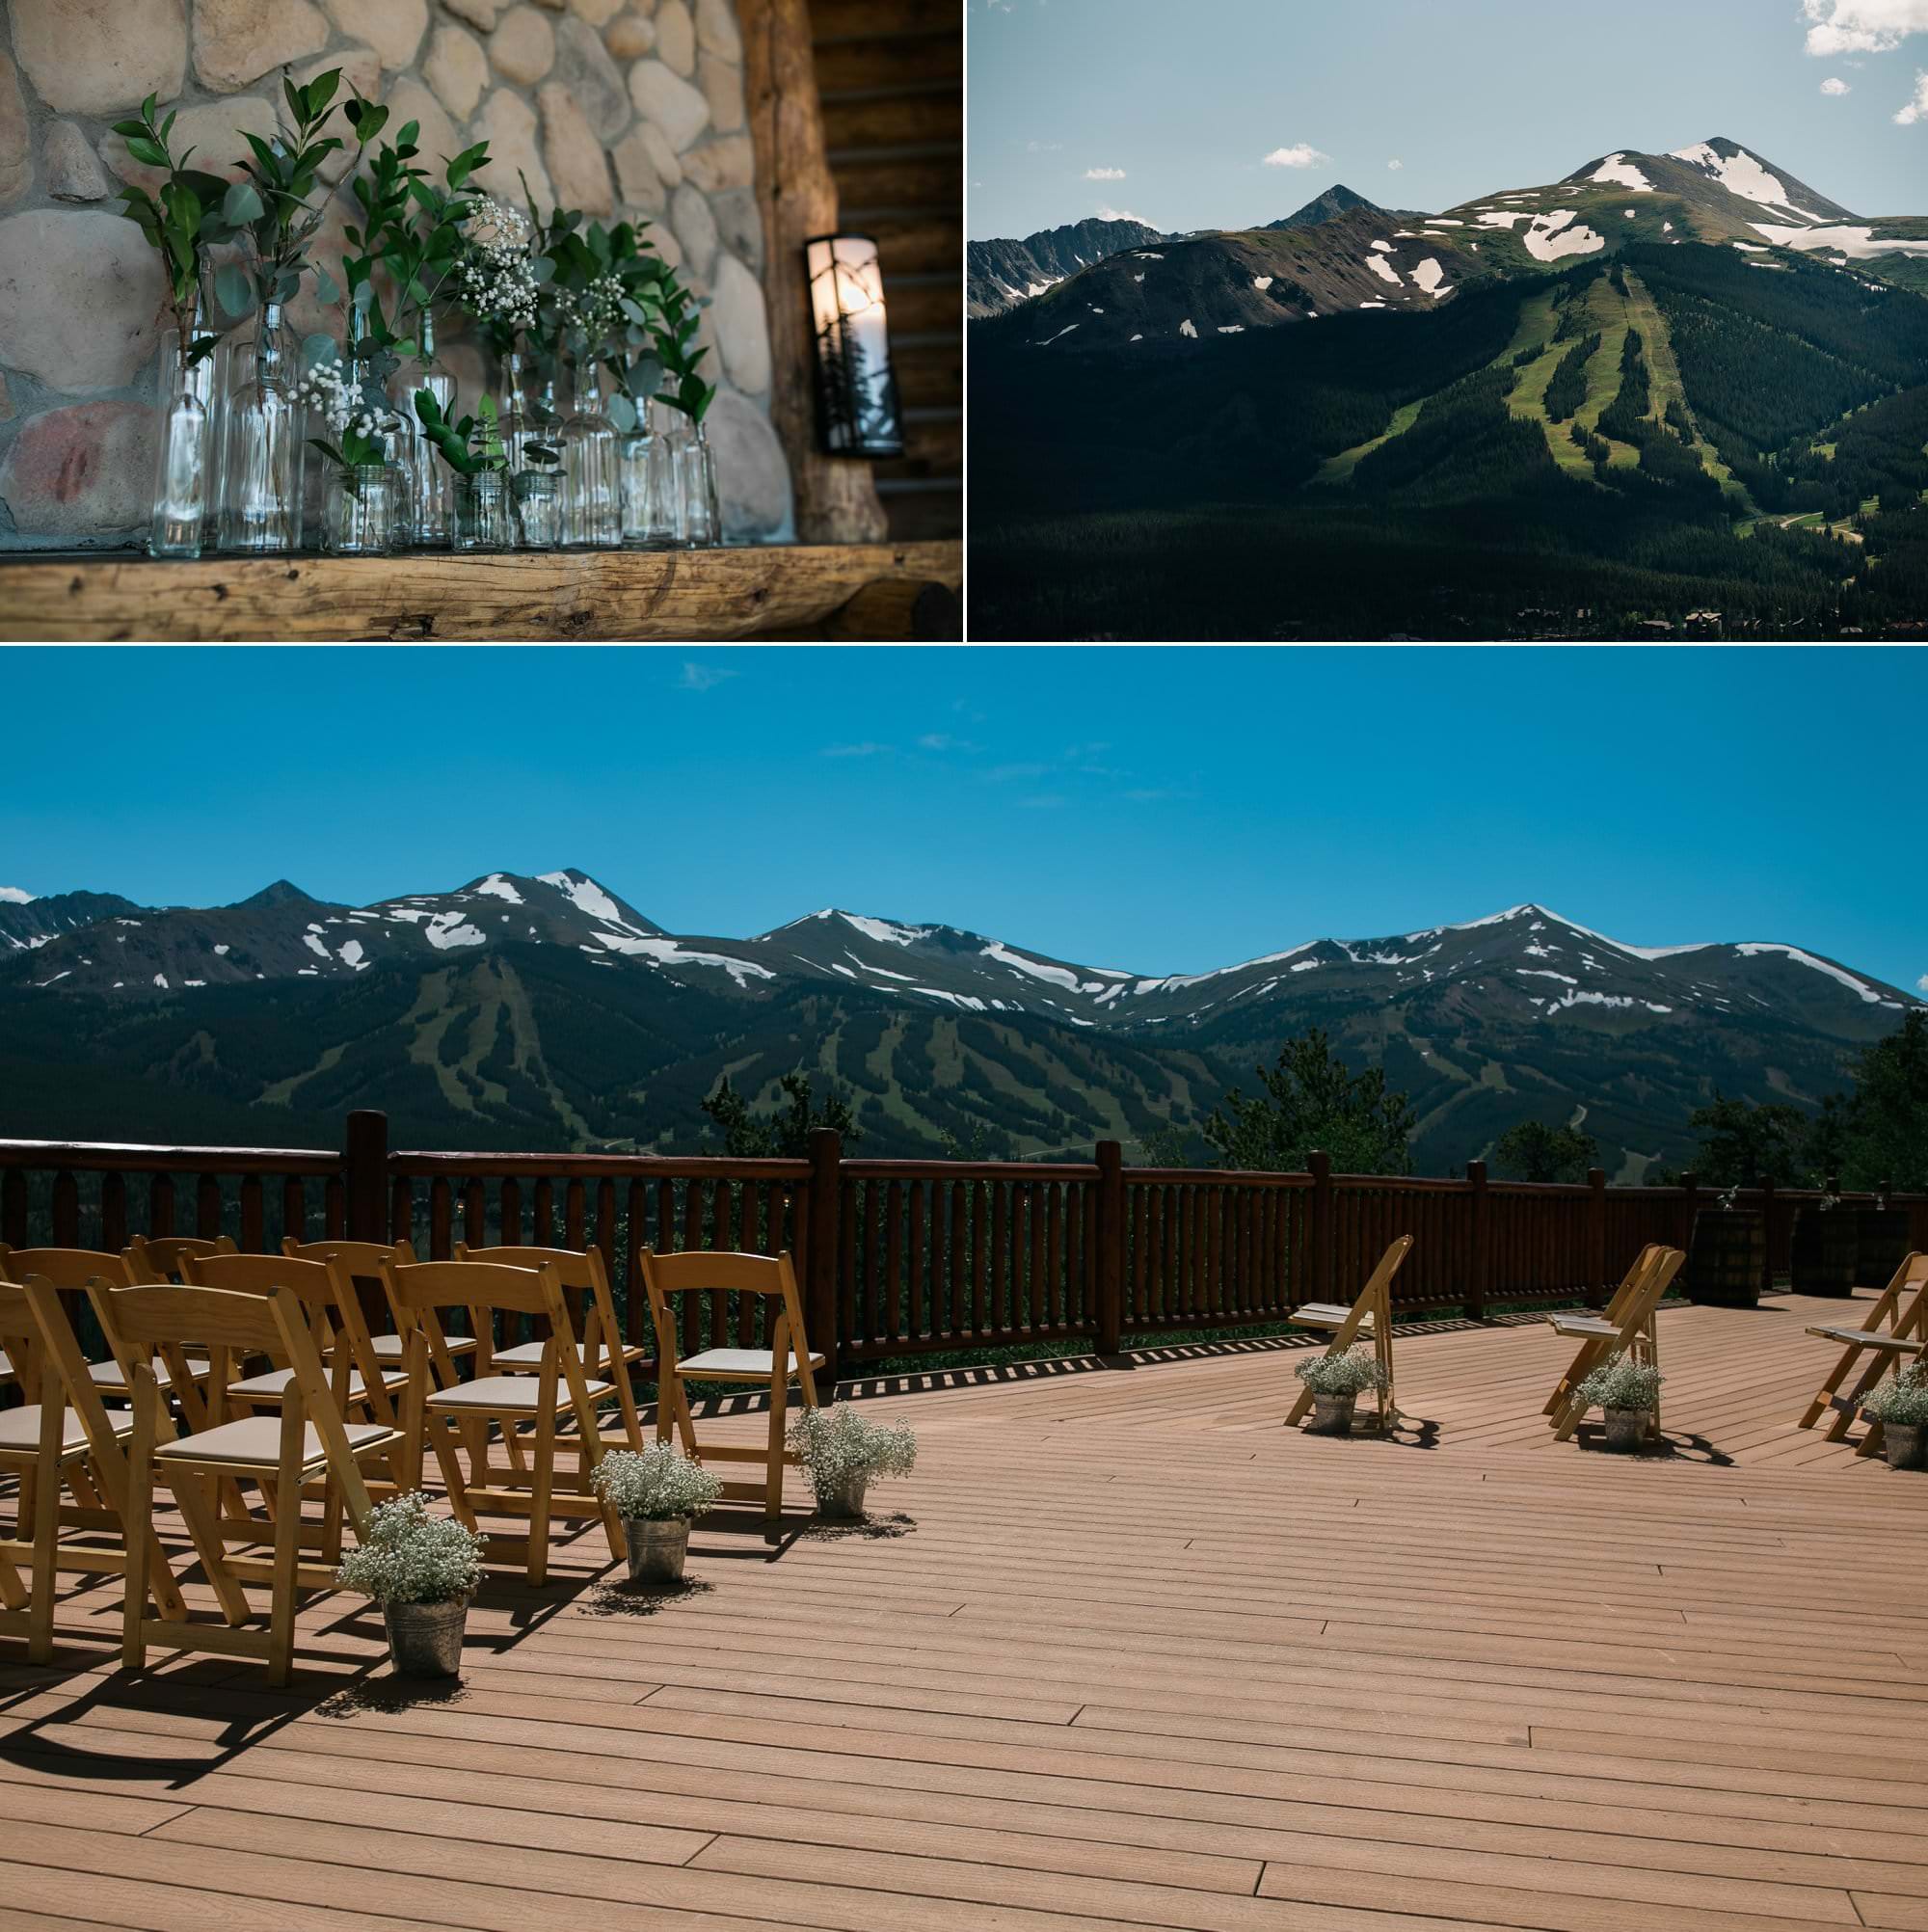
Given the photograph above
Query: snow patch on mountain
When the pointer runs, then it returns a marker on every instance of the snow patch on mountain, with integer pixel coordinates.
(1617, 168)
(1752, 948)
(498, 887)
(1858, 244)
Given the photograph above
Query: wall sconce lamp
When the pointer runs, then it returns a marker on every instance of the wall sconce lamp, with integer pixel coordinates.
(857, 412)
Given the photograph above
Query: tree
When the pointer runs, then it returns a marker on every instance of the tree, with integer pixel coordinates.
(1742, 1142)
(1532, 1151)
(1311, 1101)
(784, 1134)
(1884, 1123)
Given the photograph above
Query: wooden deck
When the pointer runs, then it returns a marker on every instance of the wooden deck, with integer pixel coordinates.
(1123, 1652)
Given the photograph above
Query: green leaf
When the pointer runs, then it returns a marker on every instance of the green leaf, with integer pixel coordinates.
(269, 160)
(327, 290)
(233, 290)
(329, 450)
(317, 349)
(143, 151)
(320, 90)
(293, 95)
(241, 205)
(131, 130)
(622, 411)
(406, 136)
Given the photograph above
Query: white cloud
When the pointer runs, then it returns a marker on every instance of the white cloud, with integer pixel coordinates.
(1861, 26)
(1043, 146)
(1301, 155)
(1104, 173)
(1835, 88)
(1106, 213)
(1918, 108)
(1921, 985)
(870, 748)
(703, 677)
(1395, 166)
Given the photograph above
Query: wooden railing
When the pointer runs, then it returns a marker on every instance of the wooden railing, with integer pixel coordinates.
(909, 1258)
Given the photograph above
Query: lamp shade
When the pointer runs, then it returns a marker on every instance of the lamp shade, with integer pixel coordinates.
(857, 412)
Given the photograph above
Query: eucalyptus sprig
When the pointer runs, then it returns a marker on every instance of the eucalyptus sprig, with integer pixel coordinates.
(182, 221)
(272, 205)
(685, 388)
(470, 448)
(630, 355)
(412, 226)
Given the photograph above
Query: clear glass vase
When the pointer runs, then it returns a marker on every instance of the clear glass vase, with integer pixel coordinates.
(537, 494)
(358, 510)
(479, 517)
(592, 502)
(652, 484)
(702, 515)
(431, 483)
(183, 454)
(538, 509)
(261, 472)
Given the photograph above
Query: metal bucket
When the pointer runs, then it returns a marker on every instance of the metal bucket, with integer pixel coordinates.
(1905, 1444)
(425, 1639)
(1626, 1429)
(1332, 1414)
(658, 1546)
(843, 1502)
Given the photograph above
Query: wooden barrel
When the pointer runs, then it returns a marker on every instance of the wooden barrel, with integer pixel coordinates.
(1726, 1258)
(1826, 1246)
(1881, 1242)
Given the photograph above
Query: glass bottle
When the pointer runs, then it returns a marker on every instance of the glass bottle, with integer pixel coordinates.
(702, 515)
(663, 528)
(431, 481)
(634, 448)
(358, 509)
(183, 451)
(479, 515)
(260, 499)
(538, 506)
(592, 506)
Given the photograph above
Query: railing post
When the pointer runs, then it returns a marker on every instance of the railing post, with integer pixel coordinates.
(1596, 1238)
(827, 1200)
(1690, 1189)
(364, 1169)
(1111, 1256)
(1479, 1245)
(1766, 1235)
(1319, 1249)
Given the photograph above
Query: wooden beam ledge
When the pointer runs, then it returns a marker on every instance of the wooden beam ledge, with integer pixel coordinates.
(430, 597)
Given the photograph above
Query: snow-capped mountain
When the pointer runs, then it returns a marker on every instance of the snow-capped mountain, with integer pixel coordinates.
(546, 1005)
(999, 275)
(1355, 256)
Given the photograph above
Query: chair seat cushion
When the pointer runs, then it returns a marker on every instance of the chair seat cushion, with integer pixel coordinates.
(1326, 1315)
(394, 1348)
(255, 1441)
(1863, 1338)
(20, 1427)
(275, 1384)
(107, 1376)
(508, 1394)
(749, 1363)
(1591, 1327)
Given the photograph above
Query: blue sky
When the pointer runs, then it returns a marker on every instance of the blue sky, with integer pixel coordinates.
(1155, 809)
(1176, 107)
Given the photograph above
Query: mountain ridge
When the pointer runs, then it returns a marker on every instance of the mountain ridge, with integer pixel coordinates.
(542, 1010)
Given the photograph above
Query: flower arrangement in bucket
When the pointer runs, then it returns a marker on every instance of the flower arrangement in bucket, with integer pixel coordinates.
(841, 1452)
(1336, 1382)
(422, 1570)
(656, 1491)
(1626, 1392)
(1900, 1405)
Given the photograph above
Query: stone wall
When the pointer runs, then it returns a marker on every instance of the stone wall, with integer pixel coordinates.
(622, 108)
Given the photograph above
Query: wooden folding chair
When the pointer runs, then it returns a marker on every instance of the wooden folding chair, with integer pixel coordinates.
(158, 1258)
(592, 1308)
(513, 1403)
(1895, 1333)
(1634, 1331)
(363, 1261)
(1368, 1319)
(1585, 1326)
(788, 1358)
(307, 1441)
(74, 1272)
(62, 1437)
